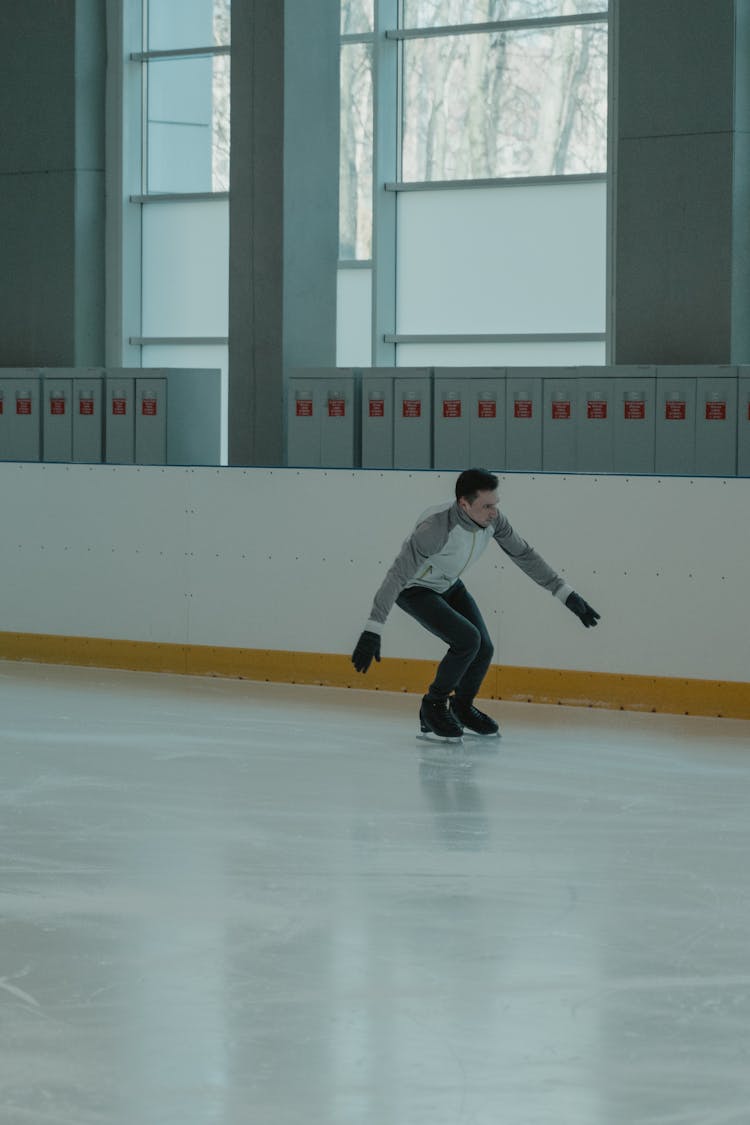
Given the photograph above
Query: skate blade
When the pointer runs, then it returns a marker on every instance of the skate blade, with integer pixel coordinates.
(430, 736)
(482, 737)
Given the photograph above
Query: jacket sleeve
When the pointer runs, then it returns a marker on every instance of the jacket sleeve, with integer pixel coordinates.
(530, 562)
(425, 541)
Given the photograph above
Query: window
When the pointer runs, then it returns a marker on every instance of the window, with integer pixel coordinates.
(174, 241)
(354, 317)
(355, 181)
(444, 13)
(485, 115)
(531, 102)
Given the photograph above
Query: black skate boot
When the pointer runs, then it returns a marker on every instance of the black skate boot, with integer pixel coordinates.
(435, 718)
(474, 720)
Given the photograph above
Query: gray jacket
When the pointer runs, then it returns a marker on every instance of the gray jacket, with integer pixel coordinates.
(443, 544)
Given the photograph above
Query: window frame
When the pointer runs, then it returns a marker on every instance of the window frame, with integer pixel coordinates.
(127, 164)
(388, 37)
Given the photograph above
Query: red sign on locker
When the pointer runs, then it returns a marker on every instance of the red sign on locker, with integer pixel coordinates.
(119, 406)
(635, 410)
(716, 411)
(451, 407)
(23, 404)
(487, 408)
(57, 405)
(336, 408)
(149, 406)
(675, 411)
(523, 408)
(560, 410)
(85, 405)
(377, 408)
(412, 408)
(2, 404)
(304, 407)
(596, 408)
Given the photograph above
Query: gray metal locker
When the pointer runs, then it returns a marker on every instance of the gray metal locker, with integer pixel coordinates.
(57, 415)
(88, 418)
(486, 406)
(451, 444)
(20, 421)
(675, 420)
(377, 418)
(412, 422)
(743, 421)
(523, 418)
(635, 419)
(596, 430)
(339, 423)
(561, 422)
(303, 423)
(469, 418)
(150, 401)
(716, 422)
(72, 416)
(119, 404)
(322, 418)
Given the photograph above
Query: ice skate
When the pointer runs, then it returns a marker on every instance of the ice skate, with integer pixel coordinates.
(472, 720)
(436, 721)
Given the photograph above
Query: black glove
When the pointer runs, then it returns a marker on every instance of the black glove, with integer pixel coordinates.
(582, 609)
(368, 646)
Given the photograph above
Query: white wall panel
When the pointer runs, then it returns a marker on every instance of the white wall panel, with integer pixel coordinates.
(539, 353)
(185, 269)
(94, 551)
(521, 259)
(354, 318)
(289, 559)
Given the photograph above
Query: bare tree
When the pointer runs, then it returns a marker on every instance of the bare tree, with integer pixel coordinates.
(477, 105)
(509, 103)
(220, 121)
(355, 182)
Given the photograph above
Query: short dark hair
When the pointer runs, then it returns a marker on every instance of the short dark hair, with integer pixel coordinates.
(473, 481)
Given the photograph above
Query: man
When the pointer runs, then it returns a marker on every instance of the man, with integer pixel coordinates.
(425, 581)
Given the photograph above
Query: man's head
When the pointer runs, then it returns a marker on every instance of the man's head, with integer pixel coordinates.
(476, 495)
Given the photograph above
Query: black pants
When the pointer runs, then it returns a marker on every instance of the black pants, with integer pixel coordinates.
(454, 617)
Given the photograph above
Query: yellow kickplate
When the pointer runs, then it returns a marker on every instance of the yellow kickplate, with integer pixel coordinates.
(532, 685)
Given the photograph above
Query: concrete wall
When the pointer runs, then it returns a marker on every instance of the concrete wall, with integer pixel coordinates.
(288, 560)
(283, 211)
(681, 253)
(52, 182)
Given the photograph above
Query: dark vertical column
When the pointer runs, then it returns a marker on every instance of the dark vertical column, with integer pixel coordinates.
(89, 199)
(677, 275)
(283, 212)
(740, 349)
(311, 181)
(52, 68)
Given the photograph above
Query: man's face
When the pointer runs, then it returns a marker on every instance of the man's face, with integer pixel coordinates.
(482, 510)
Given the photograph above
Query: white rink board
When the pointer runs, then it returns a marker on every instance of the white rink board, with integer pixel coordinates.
(289, 559)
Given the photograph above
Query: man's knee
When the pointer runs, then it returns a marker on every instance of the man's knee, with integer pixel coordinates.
(467, 641)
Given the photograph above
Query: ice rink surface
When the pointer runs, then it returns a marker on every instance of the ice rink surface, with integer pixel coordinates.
(228, 903)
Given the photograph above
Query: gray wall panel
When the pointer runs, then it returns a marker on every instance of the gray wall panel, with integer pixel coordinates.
(673, 248)
(52, 73)
(660, 43)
